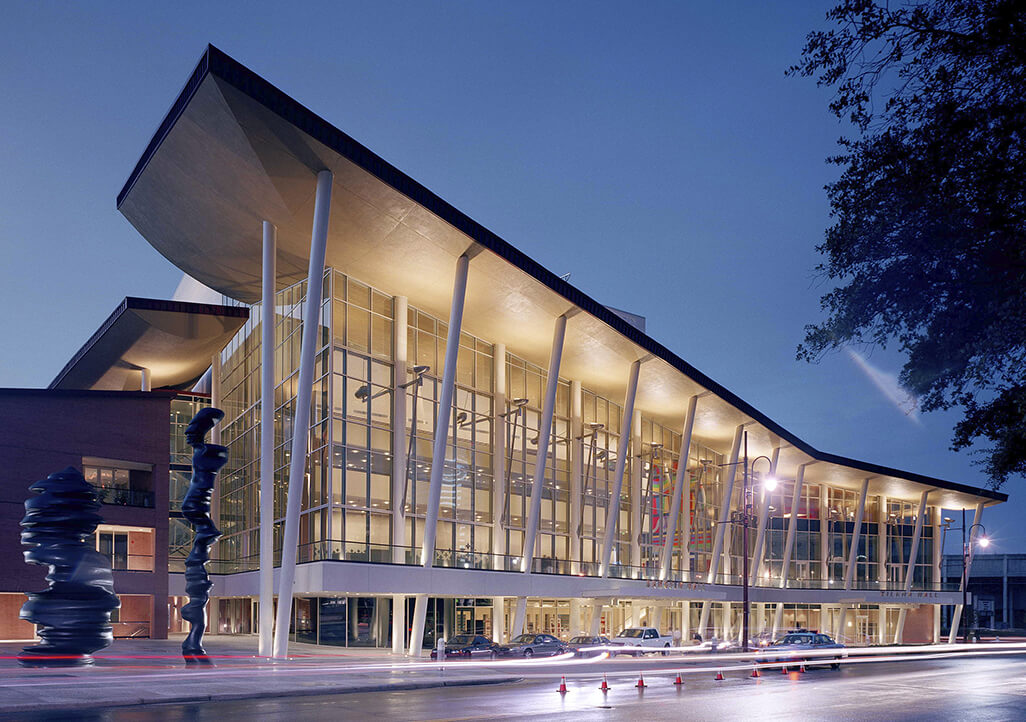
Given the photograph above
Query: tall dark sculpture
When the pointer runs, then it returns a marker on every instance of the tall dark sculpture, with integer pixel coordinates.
(73, 614)
(207, 459)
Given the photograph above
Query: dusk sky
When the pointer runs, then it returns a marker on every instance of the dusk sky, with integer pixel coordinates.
(655, 151)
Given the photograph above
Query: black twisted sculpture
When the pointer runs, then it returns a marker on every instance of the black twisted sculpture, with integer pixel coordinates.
(207, 459)
(73, 613)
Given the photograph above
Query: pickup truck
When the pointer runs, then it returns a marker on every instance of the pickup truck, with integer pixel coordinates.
(639, 640)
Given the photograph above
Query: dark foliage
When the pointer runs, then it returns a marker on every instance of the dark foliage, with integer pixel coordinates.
(928, 243)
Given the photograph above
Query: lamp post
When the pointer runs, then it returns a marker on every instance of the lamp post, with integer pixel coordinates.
(744, 517)
(983, 542)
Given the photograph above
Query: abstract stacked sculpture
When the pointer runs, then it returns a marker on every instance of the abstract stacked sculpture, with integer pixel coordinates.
(73, 614)
(207, 459)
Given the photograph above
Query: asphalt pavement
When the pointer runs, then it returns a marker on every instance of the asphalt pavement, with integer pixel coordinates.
(955, 688)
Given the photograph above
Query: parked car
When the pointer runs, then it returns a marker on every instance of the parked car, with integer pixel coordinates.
(791, 645)
(581, 645)
(533, 645)
(469, 645)
(639, 640)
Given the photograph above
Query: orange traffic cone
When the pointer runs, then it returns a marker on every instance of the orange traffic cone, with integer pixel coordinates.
(679, 681)
(783, 669)
(562, 685)
(802, 668)
(605, 685)
(719, 675)
(641, 682)
(755, 672)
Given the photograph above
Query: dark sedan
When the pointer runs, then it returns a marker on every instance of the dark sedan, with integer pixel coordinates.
(792, 645)
(468, 645)
(587, 646)
(533, 645)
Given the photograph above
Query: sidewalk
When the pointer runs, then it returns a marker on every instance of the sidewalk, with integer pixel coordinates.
(143, 671)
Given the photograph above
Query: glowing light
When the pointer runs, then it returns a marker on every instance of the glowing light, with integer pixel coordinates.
(770, 483)
(984, 542)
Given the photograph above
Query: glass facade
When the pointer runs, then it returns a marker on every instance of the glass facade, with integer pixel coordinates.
(348, 505)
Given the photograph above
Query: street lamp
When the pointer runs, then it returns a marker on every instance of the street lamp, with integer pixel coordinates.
(983, 542)
(744, 517)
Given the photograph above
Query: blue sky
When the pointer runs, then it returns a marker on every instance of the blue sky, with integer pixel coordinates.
(654, 151)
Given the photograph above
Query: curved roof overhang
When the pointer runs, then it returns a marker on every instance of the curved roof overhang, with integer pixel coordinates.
(235, 151)
(173, 340)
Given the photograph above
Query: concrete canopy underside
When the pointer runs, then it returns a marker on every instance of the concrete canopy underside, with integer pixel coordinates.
(173, 340)
(235, 151)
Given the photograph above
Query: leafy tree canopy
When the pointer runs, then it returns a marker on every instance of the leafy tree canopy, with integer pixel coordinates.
(928, 243)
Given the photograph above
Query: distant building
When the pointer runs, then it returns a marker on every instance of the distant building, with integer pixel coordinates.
(997, 583)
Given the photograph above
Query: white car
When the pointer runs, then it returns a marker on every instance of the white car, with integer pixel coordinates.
(639, 640)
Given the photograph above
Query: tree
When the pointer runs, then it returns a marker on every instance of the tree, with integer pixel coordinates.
(927, 246)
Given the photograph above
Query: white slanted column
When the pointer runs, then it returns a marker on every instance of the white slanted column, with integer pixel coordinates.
(636, 497)
(145, 384)
(721, 526)
(398, 623)
(613, 512)
(730, 471)
(519, 615)
(452, 344)
(267, 379)
(956, 616)
(760, 535)
(400, 462)
(792, 525)
(792, 530)
(301, 424)
(499, 620)
(544, 444)
(910, 570)
(938, 558)
(499, 451)
(576, 476)
(596, 618)
(682, 482)
(853, 551)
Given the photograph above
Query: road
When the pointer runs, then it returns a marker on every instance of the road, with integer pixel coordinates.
(982, 688)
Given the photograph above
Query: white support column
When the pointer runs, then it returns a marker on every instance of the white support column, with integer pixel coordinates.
(576, 475)
(267, 379)
(853, 550)
(938, 557)
(682, 482)
(445, 395)
(398, 623)
(824, 536)
(499, 451)
(730, 471)
(613, 512)
(956, 616)
(792, 526)
(596, 618)
(145, 383)
(519, 615)
(911, 568)
(778, 619)
(400, 462)
(301, 424)
(576, 620)
(760, 536)
(544, 444)
(499, 620)
(637, 459)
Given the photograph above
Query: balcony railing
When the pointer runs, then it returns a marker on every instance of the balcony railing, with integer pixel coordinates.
(373, 553)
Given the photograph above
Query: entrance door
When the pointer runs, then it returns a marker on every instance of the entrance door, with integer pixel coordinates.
(861, 629)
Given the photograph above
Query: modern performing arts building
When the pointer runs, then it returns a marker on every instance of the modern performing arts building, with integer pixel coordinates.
(481, 446)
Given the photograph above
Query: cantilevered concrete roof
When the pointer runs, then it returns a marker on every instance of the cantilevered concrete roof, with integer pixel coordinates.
(235, 151)
(174, 340)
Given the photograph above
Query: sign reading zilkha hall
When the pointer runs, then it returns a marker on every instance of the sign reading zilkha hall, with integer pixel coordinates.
(690, 586)
(910, 596)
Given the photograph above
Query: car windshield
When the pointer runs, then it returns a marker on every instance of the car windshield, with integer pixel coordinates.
(794, 639)
(631, 633)
(524, 639)
(461, 639)
(582, 640)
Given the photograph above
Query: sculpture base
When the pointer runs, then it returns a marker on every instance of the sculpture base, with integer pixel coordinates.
(30, 657)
